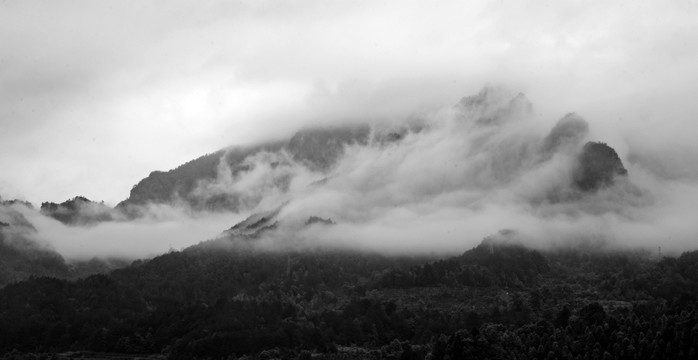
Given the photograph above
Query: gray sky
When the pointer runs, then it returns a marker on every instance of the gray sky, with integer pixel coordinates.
(94, 94)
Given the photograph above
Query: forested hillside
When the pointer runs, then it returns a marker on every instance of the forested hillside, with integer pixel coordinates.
(317, 148)
(495, 301)
(295, 279)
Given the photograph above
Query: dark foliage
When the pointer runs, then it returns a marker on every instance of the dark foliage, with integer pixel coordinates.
(599, 165)
(320, 147)
(20, 260)
(317, 147)
(496, 301)
(78, 211)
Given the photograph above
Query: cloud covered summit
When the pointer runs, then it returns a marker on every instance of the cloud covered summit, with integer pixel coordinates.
(437, 182)
(443, 181)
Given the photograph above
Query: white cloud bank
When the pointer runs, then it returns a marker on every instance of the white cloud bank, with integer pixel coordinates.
(94, 96)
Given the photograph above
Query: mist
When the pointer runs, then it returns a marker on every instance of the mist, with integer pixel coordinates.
(435, 182)
(311, 178)
(457, 179)
(89, 107)
(159, 230)
(83, 100)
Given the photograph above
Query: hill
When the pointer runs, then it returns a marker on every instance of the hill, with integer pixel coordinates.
(79, 211)
(25, 255)
(498, 300)
(484, 138)
(21, 256)
(599, 165)
(317, 148)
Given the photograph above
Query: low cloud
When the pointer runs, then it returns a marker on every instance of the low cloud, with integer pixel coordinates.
(471, 171)
(437, 183)
(90, 106)
(159, 230)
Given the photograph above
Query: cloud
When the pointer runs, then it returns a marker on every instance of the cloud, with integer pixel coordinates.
(90, 105)
(438, 184)
(470, 172)
(93, 98)
(163, 228)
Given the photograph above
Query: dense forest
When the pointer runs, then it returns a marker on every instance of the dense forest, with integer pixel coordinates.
(497, 301)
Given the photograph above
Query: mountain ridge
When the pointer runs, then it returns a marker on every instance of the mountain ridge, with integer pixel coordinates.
(319, 148)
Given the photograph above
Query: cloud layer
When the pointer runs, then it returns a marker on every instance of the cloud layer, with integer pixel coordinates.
(466, 173)
(93, 97)
(435, 183)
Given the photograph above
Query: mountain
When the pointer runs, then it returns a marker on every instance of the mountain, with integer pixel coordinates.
(255, 225)
(494, 105)
(278, 285)
(569, 131)
(179, 183)
(318, 148)
(24, 254)
(20, 260)
(79, 211)
(498, 300)
(488, 124)
(599, 166)
(261, 223)
(240, 178)
(21, 255)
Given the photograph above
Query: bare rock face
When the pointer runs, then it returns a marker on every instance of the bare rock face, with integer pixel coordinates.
(599, 166)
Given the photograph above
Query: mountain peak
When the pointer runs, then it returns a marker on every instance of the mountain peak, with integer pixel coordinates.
(79, 211)
(568, 131)
(599, 166)
(320, 147)
(494, 105)
(12, 218)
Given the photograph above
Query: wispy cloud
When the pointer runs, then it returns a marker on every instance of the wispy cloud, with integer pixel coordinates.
(95, 97)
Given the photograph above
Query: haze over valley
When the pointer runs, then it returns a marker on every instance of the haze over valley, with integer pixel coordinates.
(453, 176)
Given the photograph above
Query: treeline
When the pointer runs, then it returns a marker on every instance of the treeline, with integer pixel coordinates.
(490, 264)
(495, 301)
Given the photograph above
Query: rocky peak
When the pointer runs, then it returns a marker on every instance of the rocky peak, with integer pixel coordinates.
(320, 147)
(494, 105)
(569, 131)
(599, 166)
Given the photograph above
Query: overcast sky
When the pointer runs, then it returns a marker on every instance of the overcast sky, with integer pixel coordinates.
(96, 94)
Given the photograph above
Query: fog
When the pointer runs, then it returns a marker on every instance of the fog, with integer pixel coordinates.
(89, 106)
(457, 179)
(453, 176)
(162, 229)
(446, 188)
